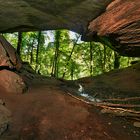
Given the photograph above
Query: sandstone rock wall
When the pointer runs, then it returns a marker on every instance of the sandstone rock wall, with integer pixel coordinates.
(5, 117)
(120, 23)
(10, 63)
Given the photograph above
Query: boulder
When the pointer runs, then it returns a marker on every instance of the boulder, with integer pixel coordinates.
(8, 55)
(5, 117)
(12, 82)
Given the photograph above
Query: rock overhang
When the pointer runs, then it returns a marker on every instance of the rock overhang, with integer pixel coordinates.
(29, 15)
(77, 16)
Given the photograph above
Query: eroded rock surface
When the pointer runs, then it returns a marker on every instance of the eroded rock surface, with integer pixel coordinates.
(30, 15)
(10, 63)
(8, 56)
(12, 82)
(48, 112)
(5, 117)
(120, 23)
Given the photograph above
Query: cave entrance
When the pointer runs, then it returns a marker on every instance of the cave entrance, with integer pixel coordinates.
(62, 54)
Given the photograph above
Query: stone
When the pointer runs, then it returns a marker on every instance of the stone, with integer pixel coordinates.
(1, 102)
(117, 20)
(137, 124)
(120, 23)
(5, 118)
(30, 15)
(8, 57)
(12, 82)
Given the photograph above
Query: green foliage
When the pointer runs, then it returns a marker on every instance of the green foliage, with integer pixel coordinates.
(63, 55)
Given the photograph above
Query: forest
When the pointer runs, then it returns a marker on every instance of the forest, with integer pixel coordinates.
(62, 54)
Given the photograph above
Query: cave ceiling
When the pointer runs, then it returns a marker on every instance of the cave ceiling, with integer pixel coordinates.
(118, 20)
(28, 15)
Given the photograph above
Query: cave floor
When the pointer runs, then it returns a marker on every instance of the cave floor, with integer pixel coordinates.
(47, 112)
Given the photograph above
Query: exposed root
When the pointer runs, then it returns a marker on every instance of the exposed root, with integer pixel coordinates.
(115, 109)
(125, 99)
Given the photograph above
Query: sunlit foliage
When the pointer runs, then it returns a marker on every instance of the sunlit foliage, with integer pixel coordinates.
(62, 54)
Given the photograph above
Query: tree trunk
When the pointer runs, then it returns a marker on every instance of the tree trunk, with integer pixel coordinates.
(57, 45)
(69, 58)
(37, 51)
(91, 59)
(117, 60)
(19, 44)
(31, 54)
(104, 58)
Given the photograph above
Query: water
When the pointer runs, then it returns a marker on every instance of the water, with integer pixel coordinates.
(82, 93)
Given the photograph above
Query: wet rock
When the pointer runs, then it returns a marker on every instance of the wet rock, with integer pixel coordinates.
(12, 82)
(8, 55)
(5, 117)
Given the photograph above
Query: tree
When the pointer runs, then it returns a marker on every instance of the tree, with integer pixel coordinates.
(116, 60)
(19, 44)
(69, 58)
(57, 46)
(62, 55)
(91, 58)
(37, 51)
